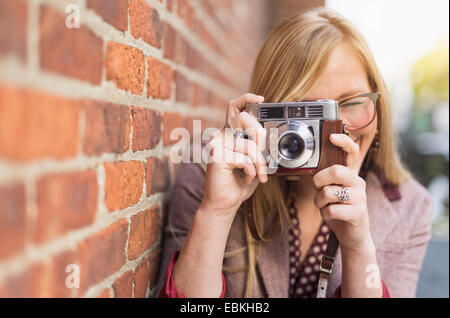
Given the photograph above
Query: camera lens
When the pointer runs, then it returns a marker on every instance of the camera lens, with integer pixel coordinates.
(291, 146)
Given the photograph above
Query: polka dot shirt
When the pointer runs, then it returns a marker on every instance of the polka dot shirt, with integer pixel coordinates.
(304, 277)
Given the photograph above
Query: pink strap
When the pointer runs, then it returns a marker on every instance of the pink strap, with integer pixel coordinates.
(169, 289)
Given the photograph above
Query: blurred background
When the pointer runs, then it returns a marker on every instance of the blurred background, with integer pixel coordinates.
(91, 89)
(410, 41)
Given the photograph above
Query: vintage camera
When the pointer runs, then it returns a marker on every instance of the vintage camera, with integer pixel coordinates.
(298, 135)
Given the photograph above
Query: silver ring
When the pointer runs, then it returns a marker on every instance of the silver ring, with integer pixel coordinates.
(238, 134)
(228, 125)
(343, 195)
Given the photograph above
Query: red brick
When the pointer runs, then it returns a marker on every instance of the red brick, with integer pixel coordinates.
(154, 263)
(160, 78)
(35, 125)
(193, 58)
(157, 175)
(13, 28)
(52, 276)
(169, 5)
(145, 23)
(181, 47)
(125, 66)
(123, 286)
(144, 230)
(107, 128)
(106, 293)
(42, 280)
(65, 202)
(124, 184)
(141, 280)
(23, 285)
(76, 53)
(12, 219)
(183, 9)
(210, 40)
(146, 128)
(114, 12)
(183, 89)
(169, 41)
(102, 254)
(170, 122)
(200, 96)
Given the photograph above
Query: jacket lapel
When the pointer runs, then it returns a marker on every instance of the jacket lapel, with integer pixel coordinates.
(273, 263)
(273, 266)
(382, 214)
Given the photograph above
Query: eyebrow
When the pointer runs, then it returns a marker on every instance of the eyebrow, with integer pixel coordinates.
(346, 94)
(350, 93)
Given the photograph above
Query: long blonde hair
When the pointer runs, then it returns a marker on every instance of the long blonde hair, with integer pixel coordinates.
(290, 61)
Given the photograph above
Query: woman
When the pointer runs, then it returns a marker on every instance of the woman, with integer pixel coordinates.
(383, 226)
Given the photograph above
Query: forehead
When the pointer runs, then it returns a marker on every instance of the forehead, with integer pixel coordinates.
(344, 74)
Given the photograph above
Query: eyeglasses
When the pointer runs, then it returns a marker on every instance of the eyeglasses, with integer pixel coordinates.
(358, 110)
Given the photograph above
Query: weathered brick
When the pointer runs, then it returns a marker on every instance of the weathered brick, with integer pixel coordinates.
(102, 254)
(13, 28)
(160, 78)
(35, 125)
(200, 96)
(186, 13)
(157, 175)
(193, 58)
(183, 89)
(24, 284)
(52, 276)
(146, 128)
(169, 5)
(76, 53)
(123, 286)
(141, 280)
(169, 41)
(144, 230)
(145, 23)
(124, 184)
(65, 202)
(106, 293)
(12, 219)
(114, 12)
(107, 128)
(181, 47)
(125, 66)
(41, 280)
(170, 122)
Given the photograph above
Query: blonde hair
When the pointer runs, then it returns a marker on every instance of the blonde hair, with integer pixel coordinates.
(290, 61)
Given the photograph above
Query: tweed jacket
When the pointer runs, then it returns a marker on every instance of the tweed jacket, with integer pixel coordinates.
(400, 226)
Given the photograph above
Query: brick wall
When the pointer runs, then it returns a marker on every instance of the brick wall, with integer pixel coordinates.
(85, 120)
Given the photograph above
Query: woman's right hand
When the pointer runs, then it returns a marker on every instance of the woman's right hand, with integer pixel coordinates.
(233, 173)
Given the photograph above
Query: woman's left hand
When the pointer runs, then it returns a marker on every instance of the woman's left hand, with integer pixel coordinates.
(349, 220)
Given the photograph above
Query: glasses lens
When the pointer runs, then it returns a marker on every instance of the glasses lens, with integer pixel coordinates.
(358, 111)
(291, 146)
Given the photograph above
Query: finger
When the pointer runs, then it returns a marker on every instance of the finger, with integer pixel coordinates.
(350, 147)
(341, 212)
(336, 174)
(238, 105)
(252, 128)
(243, 162)
(250, 149)
(328, 194)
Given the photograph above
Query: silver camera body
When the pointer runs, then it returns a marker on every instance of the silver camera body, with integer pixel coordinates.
(294, 131)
